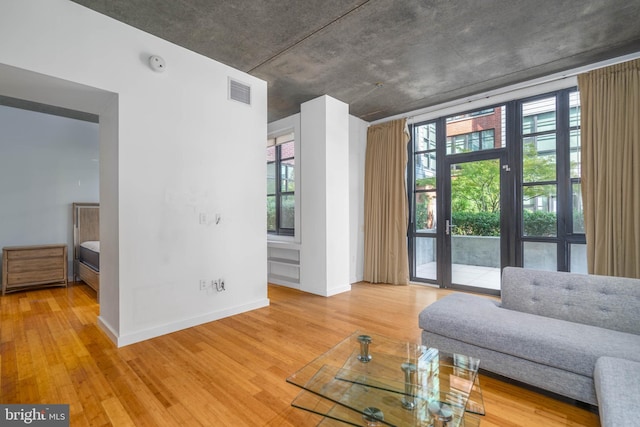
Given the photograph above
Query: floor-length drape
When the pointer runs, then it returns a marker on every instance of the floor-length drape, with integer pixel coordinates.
(386, 210)
(610, 129)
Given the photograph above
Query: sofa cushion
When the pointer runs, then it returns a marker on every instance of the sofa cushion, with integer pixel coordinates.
(481, 321)
(604, 301)
(617, 384)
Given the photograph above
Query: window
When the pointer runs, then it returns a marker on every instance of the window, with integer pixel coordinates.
(281, 185)
(476, 131)
(552, 219)
(425, 178)
(540, 139)
(424, 201)
(474, 141)
(539, 184)
(574, 162)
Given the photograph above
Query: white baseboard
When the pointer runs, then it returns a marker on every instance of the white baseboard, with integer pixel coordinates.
(336, 291)
(107, 329)
(142, 335)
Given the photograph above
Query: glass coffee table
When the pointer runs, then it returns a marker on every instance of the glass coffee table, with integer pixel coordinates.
(370, 380)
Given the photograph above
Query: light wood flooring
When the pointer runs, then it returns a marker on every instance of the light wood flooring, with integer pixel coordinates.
(226, 373)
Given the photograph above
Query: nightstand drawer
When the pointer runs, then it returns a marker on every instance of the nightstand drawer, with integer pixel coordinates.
(35, 276)
(22, 265)
(36, 253)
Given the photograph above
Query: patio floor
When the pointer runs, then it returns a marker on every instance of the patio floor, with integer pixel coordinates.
(469, 275)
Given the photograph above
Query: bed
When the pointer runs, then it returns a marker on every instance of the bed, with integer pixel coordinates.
(86, 244)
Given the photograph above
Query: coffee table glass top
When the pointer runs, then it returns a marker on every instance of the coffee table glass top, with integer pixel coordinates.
(371, 380)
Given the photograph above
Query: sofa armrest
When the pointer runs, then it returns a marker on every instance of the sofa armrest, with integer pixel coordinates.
(618, 391)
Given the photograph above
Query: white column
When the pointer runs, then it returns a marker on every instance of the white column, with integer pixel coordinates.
(324, 183)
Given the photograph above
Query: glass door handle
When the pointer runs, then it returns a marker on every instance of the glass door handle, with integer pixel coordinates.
(447, 227)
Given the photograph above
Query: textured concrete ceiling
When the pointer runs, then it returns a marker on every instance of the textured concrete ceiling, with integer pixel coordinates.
(386, 57)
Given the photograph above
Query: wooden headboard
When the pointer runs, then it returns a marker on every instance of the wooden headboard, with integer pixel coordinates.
(86, 227)
(86, 222)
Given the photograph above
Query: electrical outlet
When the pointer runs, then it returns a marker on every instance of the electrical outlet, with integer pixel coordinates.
(203, 285)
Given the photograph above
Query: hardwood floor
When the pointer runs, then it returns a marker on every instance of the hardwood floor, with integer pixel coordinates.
(225, 373)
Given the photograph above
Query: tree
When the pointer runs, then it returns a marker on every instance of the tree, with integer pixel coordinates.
(475, 186)
(475, 194)
(537, 168)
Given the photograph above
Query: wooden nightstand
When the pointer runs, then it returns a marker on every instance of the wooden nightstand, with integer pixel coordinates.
(25, 267)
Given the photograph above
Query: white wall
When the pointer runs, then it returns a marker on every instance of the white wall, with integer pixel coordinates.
(47, 162)
(324, 256)
(172, 147)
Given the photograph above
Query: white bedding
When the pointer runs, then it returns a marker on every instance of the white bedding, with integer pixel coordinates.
(92, 245)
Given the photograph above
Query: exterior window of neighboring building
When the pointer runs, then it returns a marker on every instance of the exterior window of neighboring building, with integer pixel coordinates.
(476, 131)
(474, 141)
(281, 185)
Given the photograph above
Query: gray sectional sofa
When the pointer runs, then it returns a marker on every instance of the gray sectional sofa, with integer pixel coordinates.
(571, 334)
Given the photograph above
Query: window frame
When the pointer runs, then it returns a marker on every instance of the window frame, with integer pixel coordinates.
(567, 128)
(288, 137)
(565, 236)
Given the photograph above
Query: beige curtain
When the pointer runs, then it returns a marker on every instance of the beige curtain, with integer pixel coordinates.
(610, 128)
(386, 210)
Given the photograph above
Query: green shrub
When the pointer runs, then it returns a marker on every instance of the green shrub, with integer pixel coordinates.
(543, 224)
(476, 223)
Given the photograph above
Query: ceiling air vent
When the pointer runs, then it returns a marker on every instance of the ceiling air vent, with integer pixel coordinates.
(239, 92)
